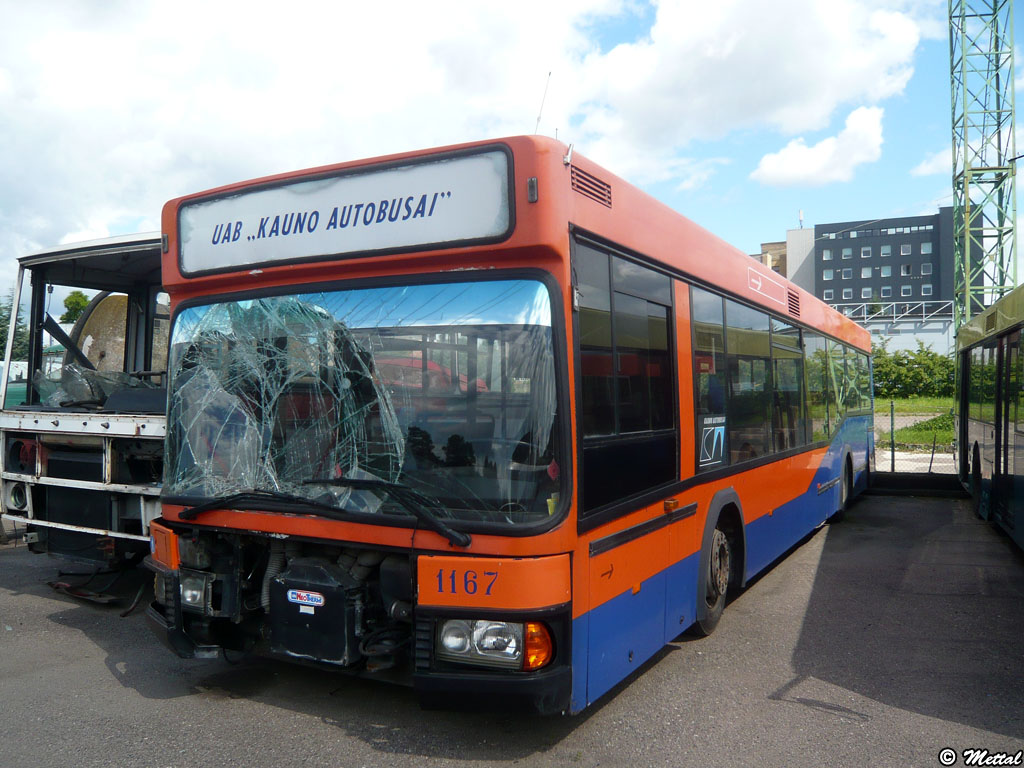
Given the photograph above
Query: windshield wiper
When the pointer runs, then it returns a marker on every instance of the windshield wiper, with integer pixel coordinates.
(257, 498)
(413, 501)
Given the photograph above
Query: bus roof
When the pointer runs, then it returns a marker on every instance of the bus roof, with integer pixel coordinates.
(573, 192)
(1004, 314)
(110, 263)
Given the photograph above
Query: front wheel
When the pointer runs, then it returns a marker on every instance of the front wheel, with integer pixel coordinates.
(719, 571)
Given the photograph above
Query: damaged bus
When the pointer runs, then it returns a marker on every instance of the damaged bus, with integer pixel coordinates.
(82, 424)
(485, 420)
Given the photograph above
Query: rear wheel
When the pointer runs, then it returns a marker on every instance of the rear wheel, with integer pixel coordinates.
(719, 573)
(845, 492)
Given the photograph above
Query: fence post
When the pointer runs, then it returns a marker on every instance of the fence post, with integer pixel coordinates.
(892, 435)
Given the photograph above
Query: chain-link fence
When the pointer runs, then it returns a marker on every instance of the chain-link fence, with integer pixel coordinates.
(919, 442)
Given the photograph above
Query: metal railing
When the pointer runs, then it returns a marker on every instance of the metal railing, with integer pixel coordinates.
(897, 311)
(928, 448)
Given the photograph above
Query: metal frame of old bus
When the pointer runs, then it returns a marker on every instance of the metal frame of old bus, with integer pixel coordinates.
(990, 417)
(483, 419)
(82, 427)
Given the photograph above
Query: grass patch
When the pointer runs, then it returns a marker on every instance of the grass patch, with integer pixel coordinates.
(922, 435)
(914, 405)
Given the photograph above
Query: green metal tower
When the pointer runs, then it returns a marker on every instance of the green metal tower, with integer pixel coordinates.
(984, 154)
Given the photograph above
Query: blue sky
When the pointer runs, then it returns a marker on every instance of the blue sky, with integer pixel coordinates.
(738, 113)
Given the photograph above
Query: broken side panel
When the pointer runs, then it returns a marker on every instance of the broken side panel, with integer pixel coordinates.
(83, 420)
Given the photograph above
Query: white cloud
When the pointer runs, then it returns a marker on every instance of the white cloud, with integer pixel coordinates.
(830, 160)
(709, 69)
(935, 163)
(108, 110)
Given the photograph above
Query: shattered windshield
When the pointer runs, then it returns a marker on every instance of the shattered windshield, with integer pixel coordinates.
(444, 389)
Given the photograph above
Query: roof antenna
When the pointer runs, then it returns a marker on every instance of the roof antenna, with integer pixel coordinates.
(542, 99)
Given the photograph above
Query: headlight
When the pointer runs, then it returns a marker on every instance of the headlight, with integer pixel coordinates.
(195, 590)
(481, 641)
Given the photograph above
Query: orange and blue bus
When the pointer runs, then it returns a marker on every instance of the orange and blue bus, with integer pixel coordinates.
(990, 417)
(484, 419)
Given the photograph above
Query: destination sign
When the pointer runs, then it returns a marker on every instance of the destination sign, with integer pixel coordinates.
(432, 204)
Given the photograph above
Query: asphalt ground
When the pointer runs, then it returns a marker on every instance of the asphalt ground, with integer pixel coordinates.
(879, 641)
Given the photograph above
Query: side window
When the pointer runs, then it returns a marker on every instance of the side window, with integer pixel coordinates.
(642, 362)
(836, 372)
(708, 320)
(747, 357)
(976, 379)
(628, 385)
(819, 397)
(788, 429)
(988, 406)
(863, 363)
(595, 339)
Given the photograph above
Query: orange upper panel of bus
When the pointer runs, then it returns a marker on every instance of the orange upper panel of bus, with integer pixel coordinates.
(551, 187)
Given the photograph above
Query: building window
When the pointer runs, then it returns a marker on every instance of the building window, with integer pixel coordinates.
(926, 289)
(906, 290)
(847, 253)
(886, 291)
(847, 274)
(826, 274)
(887, 270)
(926, 268)
(865, 271)
(905, 249)
(827, 295)
(905, 270)
(865, 252)
(826, 254)
(865, 293)
(926, 248)
(847, 293)
(885, 250)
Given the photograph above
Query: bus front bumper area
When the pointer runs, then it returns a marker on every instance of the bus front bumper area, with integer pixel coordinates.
(437, 683)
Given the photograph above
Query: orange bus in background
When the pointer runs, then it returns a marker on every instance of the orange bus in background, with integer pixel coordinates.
(483, 419)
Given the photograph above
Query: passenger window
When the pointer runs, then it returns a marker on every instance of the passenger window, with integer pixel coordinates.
(748, 353)
(709, 377)
(819, 397)
(628, 383)
(788, 429)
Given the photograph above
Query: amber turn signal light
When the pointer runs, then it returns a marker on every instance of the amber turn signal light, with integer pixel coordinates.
(539, 646)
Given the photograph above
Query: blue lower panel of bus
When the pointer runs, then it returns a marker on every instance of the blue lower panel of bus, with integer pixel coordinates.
(770, 536)
(614, 639)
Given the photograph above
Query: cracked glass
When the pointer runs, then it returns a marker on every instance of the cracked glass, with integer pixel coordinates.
(447, 389)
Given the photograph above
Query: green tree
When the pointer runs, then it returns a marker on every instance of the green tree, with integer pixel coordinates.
(921, 373)
(20, 351)
(75, 304)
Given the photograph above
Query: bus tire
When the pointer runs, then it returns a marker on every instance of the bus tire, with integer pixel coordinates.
(719, 573)
(845, 493)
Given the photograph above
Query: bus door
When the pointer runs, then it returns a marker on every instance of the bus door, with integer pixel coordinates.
(1006, 418)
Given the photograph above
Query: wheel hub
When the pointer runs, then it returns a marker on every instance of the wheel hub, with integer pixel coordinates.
(720, 563)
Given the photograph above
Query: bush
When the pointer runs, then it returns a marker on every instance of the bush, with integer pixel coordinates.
(921, 373)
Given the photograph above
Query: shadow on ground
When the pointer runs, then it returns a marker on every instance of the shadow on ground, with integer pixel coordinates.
(386, 717)
(919, 605)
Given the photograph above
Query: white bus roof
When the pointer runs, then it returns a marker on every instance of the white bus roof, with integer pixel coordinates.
(111, 263)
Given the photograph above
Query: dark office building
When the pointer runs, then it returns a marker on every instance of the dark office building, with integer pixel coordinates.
(908, 259)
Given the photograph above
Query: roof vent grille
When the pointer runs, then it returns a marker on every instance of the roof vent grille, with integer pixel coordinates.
(794, 303)
(591, 186)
